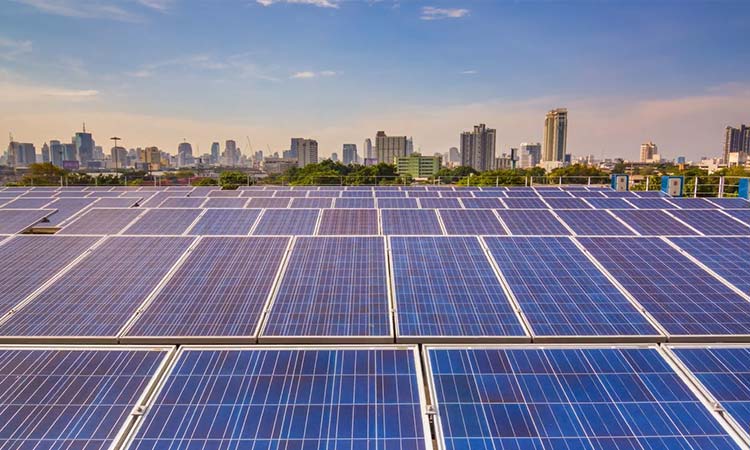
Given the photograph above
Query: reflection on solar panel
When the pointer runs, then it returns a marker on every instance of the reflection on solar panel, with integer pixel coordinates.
(567, 203)
(682, 297)
(164, 221)
(610, 203)
(16, 220)
(27, 203)
(224, 222)
(97, 296)
(730, 202)
(561, 292)
(219, 290)
(183, 202)
(410, 222)
(289, 398)
(652, 222)
(471, 221)
(534, 398)
(447, 203)
(67, 208)
(482, 203)
(26, 262)
(225, 202)
(726, 256)
(445, 287)
(311, 203)
(384, 203)
(692, 203)
(593, 223)
(283, 222)
(349, 221)
(724, 372)
(532, 222)
(712, 223)
(101, 221)
(118, 202)
(333, 287)
(262, 202)
(354, 203)
(70, 398)
(524, 203)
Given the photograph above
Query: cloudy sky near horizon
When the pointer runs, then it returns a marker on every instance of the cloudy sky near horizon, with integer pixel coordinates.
(155, 72)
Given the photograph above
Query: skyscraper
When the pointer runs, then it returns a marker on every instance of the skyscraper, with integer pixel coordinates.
(478, 147)
(119, 157)
(306, 150)
(390, 147)
(649, 151)
(56, 152)
(529, 154)
(454, 156)
(20, 154)
(367, 149)
(215, 153)
(84, 144)
(736, 140)
(231, 153)
(45, 153)
(349, 153)
(184, 154)
(555, 135)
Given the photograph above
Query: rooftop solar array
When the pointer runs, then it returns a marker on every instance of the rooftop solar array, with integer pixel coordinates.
(652, 222)
(222, 222)
(712, 223)
(349, 222)
(410, 222)
(101, 221)
(532, 222)
(727, 256)
(14, 221)
(280, 222)
(594, 223)
(163, 221)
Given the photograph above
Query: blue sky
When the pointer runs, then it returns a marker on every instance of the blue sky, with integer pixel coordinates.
(158, 71)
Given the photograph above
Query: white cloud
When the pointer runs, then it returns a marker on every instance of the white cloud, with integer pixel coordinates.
(469, 72)
(85, 9)
(158, 5)
(15, 90)
(309, 74)
(303, 75)
(10, 49)
(237, 65)
(432, 13)
(318, 3)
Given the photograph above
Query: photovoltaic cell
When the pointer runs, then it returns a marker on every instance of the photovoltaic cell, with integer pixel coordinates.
(586, 194)
(349, 222)
(384, 203)
(67, 208)
(271, 202)
(471, 222)
(28, 203)
(726, 256)
(70, 398)
(311, 203)
(524, 203)
(224, 202)
(446, 288)
(157, 199)
(650, 194)
(712, 222)
(682, 297)
(410, 222)
(653, 222)
(98, 296)
(354, 203)
(533, 398)
(288, 398)
(216, 221)
(423, 194)
(291, 194)
(561, 292)
(651, 203)
(692, 203)
(567, 203)
(385, 194)
(101, 221)
(593, 223)
(610, 203)
(16, 220)
(283, 222)
(219, 290)
(118, 202)
(224, 193)
(164, 221)
(333, 287)
(741, 214)
(447, 203)
(482, 203)
(183, 202)
(532, 222)
(619, 194)
(727, 202)
(552, 193)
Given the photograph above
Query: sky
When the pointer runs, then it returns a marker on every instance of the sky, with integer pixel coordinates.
(157, 72)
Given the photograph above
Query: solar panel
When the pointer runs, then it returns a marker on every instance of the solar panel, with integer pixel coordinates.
(218, 192)
(332, 287)
(291, 194)
(453, 194)
(27, 203)
(17, 220)
(393, 203)
(96, 297)
(156, 199)
(586, 194)
(289, 398)
(650, 194)
(722, 371)
(727, 256)
(410, 222)
(101, 221)
(67, 208)
(219, 291)
(282, 222)
(71, 398)
(535, 398)
(348, 222)
(224, 202)
(328, 193)
(447, 203)
(682, 297)
(27, 262)
(729, 202)
(712, 222)
(525, 203)
(494, 194)
(445, 288)
(164, 221)
(651, 203)
(423, 194)
(653, 222)
(609, 203)
(104, 194)
(692, 203)
(256, 193)
(183, 202)
(118, 202)
(354, 203)
(619, 194)
(311, 203)
(562, 293)
(567, 203)
(742, 214)
(593, 223)
(362, 194)
(471, 222)
(272, 202)
(482, 203)
(521, 193)
(552, 193)
(532, 222)
(216, 221)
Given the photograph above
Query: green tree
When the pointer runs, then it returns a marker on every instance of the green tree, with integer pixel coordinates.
(232, 179)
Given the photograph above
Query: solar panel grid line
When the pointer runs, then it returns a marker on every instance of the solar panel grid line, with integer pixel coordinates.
(627, 225)
(502, 223)
(441, 223)
(697, 231)
(195, 222)
(130, 224)
(736, 219)
(275, 288)
(564, 223)
(316, 230)
(707, 213)
(380, 224)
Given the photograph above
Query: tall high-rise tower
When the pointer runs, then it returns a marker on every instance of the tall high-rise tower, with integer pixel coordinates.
(555, 135)
(478, 147)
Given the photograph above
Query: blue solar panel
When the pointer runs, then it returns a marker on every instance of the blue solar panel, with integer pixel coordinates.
(496, 194)
(223, 202)
(735, 203)
(28, 203)
(333, 193)
(445, 287)
(650, 194)
(349, 222)
(682, 297)
(99, 294)
(225, 222)
(447, 203)
(619, 194)
(17, 220)
(521, 193)
(289, 398)
(482, 203)
(354, 203)
(586, 194)
(567, 203)
(561, 292)
(388, 194)
(397, 203)
(534, 398)
(287, 222)
(610, 203)
(263, 202)
(359, 194)
(157, 199)
(712, 222)
(290, 194)
(257, 193)
(593, 223)
(410, 222)
(653, 222)
(742, 214)
(219, 291)
(101, 221)
(727, 256)
(218, 192)
(311, 203)
(471, 222)
(117, 202)
(525, 203)
(423, 194)
(164, 221)
(651, 203)
(67, 208)
(333, 287)
(692, 203)
(532, 222)
(71, 398)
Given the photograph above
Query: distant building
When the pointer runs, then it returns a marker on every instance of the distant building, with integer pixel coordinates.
(478, 148)
(277, 166)
(56, 153)
(454, 156)
(370, 162)
(555, 135)
(529, 155)
(349, 153)
(410, 145)
(215, 153)
(185, 155)
(98, 153)
(649, 152)
(45, 153)
(390, 147)
(334, 157)
(418, 166)
(20, 154)
(231, 156)
(84, 144)
(70, 152)
(150, 158)
(306, 151)
(506, 161)
(680, 160)
(367, 149)
(118, 157)
(736, 140)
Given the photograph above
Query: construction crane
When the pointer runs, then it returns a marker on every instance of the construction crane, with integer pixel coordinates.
(250, 145)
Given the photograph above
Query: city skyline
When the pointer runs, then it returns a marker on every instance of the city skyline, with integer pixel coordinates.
(158, 72)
